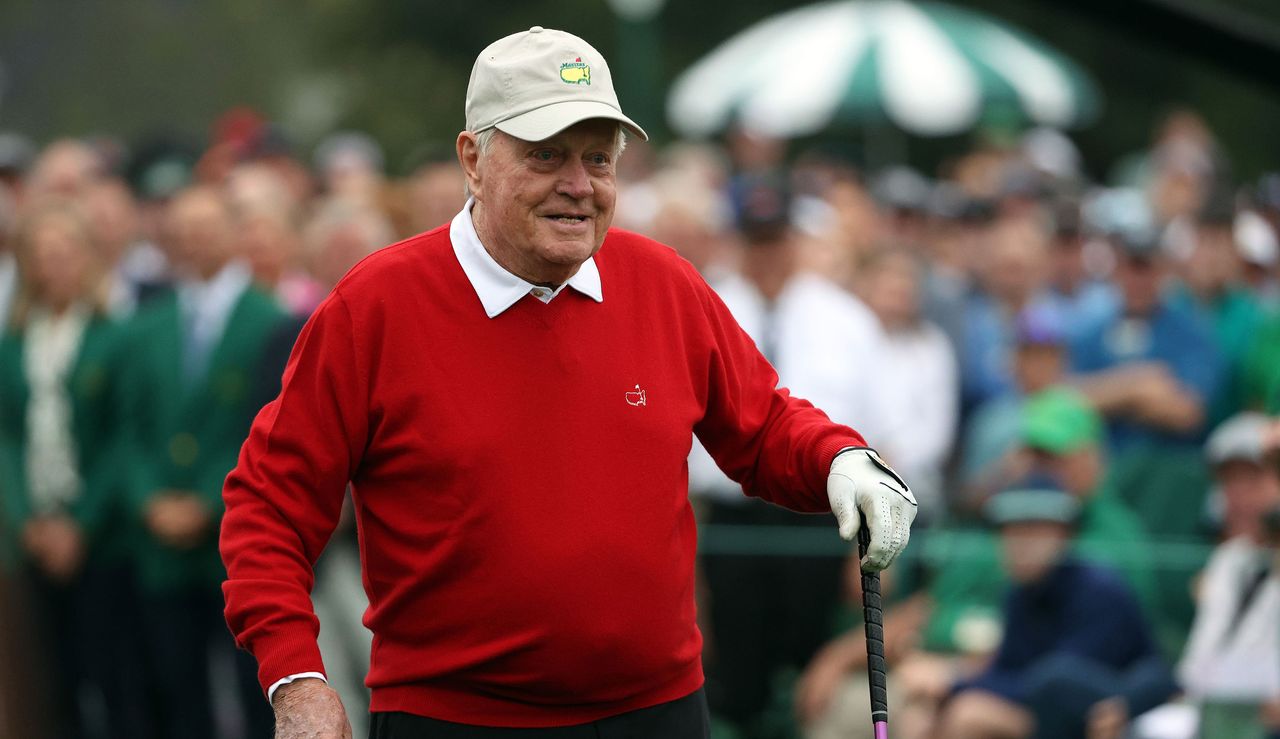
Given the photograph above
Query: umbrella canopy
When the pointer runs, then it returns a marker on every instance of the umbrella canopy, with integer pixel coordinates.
(929, 68)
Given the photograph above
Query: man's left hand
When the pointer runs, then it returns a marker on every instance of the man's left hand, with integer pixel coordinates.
(861, 484)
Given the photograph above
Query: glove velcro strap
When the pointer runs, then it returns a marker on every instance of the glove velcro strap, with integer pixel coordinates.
(874, 456)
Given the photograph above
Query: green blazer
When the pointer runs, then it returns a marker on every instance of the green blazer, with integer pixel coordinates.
(187, 436)
(97, 399)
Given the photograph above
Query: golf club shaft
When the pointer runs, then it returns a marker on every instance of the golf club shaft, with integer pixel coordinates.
(873, 619)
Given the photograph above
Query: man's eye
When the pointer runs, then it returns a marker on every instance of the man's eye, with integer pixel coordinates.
(544, 155)
(598, 159)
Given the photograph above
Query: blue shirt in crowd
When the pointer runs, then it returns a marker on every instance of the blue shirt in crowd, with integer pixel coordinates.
(1089, 305)
(1173, 335)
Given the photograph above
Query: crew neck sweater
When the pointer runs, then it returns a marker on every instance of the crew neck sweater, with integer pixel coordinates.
(520, 482)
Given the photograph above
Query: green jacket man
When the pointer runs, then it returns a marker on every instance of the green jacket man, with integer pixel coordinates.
(191, 408)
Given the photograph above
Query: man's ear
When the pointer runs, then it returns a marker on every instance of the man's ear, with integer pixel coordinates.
(469, 157)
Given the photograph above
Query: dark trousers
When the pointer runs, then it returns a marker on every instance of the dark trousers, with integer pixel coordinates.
(1062, 688)
(766, 612)
(89, 629)
(684, 718)
(185, 630)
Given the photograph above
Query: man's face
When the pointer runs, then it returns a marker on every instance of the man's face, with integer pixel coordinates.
(201, 232)
(1078, 470)
(892, 290)
(58, 262)
(1213, 263)
(546, 205)
(1038, 366)
(1250, 490)
(1033, 548)
(1140, 280)
(1017, 263)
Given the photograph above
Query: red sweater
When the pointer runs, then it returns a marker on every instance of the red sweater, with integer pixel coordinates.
(525, 531)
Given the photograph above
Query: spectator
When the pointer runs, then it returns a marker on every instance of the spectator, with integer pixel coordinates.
(8, 263)
(1231, 666)
(349, 165)
(1151, 368)
(339, 235)
(112, 215)
(434, 195)
(772, 612)
(918, 383)
(266, 222)
(1259, 251)
(958, 228)
(59, 481)
(993, 431)
(1211, 284)
(1262, 369)
(1081, 299)
(1259, 379)
(1076, 648)
(691, 217)
(190, 375)
(903, 195)
(1012, 277)
(940, 227)
(66, 168)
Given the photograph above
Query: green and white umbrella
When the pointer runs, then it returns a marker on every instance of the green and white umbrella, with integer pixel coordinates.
(929, 68)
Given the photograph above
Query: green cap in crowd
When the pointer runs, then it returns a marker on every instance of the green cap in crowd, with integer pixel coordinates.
(1059, 421)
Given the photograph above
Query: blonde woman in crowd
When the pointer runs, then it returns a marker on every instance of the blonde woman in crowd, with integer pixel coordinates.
(59, 411)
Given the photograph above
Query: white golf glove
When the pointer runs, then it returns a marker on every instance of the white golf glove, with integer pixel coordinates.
(860, 482)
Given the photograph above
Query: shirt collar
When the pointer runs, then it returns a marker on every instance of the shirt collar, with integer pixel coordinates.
(497, 288)
(218, 293)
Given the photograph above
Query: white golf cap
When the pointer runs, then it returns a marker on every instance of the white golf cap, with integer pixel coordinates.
(536, 83)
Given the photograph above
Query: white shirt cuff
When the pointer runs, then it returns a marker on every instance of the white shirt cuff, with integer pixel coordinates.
(271, 692)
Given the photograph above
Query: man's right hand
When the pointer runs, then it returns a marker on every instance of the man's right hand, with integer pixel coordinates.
(178, 518)
(308, 708)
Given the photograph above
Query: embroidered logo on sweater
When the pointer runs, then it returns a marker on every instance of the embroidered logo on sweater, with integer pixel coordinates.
(636, 397)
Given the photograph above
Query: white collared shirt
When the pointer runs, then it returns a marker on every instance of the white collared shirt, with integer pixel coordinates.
(499, 289)
(207, 304)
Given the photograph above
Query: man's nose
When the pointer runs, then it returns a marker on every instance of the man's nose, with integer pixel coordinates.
(574, 181)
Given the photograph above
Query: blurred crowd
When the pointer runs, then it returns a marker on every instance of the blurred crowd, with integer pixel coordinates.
(1078, 374)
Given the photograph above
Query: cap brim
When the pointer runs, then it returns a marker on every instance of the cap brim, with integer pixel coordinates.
(1028, 506)
(543, 123)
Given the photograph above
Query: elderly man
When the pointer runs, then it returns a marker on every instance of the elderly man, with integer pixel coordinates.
(512, 398)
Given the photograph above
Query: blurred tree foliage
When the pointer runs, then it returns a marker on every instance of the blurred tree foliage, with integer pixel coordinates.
(398, 68)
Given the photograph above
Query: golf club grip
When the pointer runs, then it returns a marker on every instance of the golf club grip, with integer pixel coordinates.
(873, 619)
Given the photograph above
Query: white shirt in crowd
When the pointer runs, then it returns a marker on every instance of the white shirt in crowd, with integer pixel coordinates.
(917, 387)
(52, 344)
(206, 307)
(1232, 655)
(825, 345)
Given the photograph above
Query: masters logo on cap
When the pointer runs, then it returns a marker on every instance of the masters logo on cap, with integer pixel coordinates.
(576, 72)
(534, 84)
